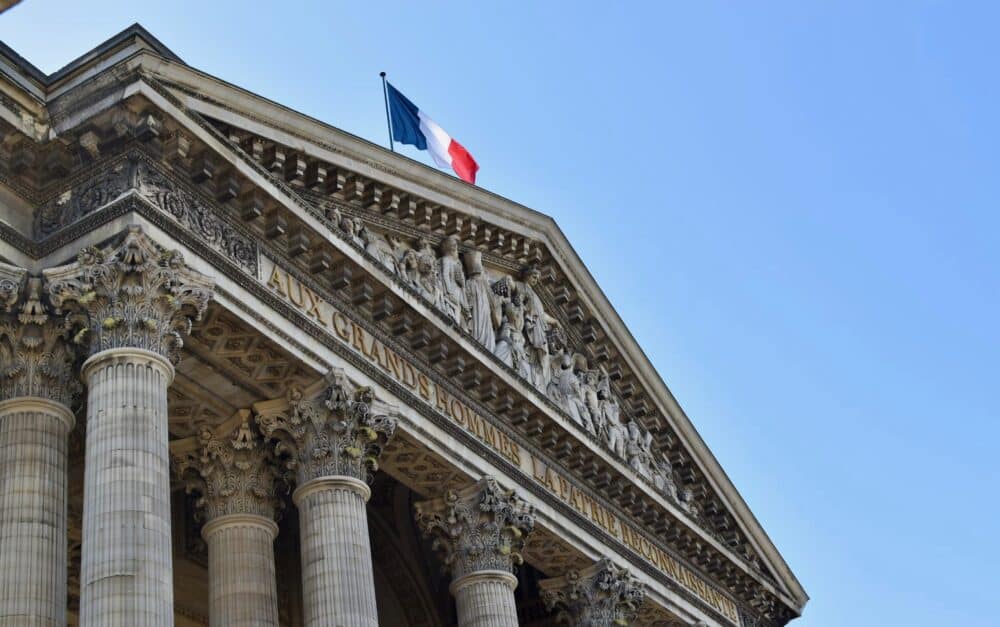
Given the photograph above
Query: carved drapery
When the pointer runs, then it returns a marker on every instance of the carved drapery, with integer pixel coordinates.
(479, 528)
(36, 359)
(135, 295)
(601, 595)
(337, 434)
(232, 470)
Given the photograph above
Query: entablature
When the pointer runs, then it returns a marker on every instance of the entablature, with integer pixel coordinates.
(208, 175)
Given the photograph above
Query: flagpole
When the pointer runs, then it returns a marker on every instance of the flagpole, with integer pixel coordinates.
(388, 124)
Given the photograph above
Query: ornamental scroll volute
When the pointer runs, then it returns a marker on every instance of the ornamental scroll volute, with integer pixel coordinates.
(231, 468)
(479, 528)
(601, 595)
(134, 295)
(340, 433)
(36, 358)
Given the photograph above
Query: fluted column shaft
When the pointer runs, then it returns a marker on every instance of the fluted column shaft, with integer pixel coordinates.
(486, 599)
(242, 589)
(33, 465)
(338, 582)
(126, 574)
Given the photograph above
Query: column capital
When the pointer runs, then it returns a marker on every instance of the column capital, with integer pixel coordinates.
(36, 356)
(133, 295)
(337, 434)
(601, 595)
(231, 468)
(479, 528)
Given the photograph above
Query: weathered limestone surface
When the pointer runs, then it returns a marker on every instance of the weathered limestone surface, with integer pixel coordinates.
(486, 599)
(602, 595)
(126, 573)
(338, 583)
(479, 532)
(33, 445)
(243, 590)
(133, 303)
(36, 389)
(235, 475)
(334, 443)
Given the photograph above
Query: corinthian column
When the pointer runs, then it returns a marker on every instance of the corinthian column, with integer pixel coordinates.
(134, 302)
(334, 443)
(37, 385)
(479, 532)
(601, 595)
(234, 473)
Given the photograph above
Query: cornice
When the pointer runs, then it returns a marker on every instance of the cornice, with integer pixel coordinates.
(353, 152)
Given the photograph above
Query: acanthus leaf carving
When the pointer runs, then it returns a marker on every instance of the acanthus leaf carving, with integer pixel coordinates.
(601, 595)
(340, 433)
(36, 357)
(134, 295)
(232, 469)
(137, 175)
(481, 527)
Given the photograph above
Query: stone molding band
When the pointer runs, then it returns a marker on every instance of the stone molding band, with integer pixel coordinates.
(319, 484)
(130, 355)
(482, 576)
(39, 404)
(239, 520)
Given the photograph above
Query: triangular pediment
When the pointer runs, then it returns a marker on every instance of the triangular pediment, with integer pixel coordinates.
(392, 236)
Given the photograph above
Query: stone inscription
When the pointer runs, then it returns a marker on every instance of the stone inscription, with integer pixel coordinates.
(333, 321)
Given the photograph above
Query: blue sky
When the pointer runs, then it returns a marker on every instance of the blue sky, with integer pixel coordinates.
(793, 206)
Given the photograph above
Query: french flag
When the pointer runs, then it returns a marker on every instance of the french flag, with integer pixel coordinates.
(410, 125)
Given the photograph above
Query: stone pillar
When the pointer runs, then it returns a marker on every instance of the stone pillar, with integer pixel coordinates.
(601, 595)
(37, 384)
(479, 532)
(334, 442)
(235, 475)
(134, 302)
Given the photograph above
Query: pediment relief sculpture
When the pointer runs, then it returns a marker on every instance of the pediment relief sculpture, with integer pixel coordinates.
(507, 317)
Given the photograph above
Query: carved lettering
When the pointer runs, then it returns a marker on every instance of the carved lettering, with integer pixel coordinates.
(357, 338)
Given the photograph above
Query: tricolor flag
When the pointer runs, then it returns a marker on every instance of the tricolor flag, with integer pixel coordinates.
(410, 125)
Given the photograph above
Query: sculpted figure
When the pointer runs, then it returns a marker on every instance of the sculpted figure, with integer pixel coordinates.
(564, 389)
(515, 317)
(536, 325)
(408, 267)
(449, 268)
(427, 282)
(663, 477)
(637, 449)
(377, 246)
(588, 387)
(352, 228)
(484, 310)
(503, 348)
(614, 431)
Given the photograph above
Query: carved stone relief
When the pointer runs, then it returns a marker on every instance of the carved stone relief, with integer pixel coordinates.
(36, 355)
(600, 595)
(481, 527)
(134, 295)
(337, 434)
(508, 318)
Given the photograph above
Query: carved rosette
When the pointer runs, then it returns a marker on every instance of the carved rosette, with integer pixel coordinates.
(135, 295)
(36, 358)
(601, 595)
(337, 434)
(233, 471)
(479, 528)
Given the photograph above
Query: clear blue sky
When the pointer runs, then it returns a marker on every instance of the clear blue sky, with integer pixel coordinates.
(793, 206)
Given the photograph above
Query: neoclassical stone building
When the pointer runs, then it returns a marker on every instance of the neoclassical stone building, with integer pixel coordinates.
(257, 371)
